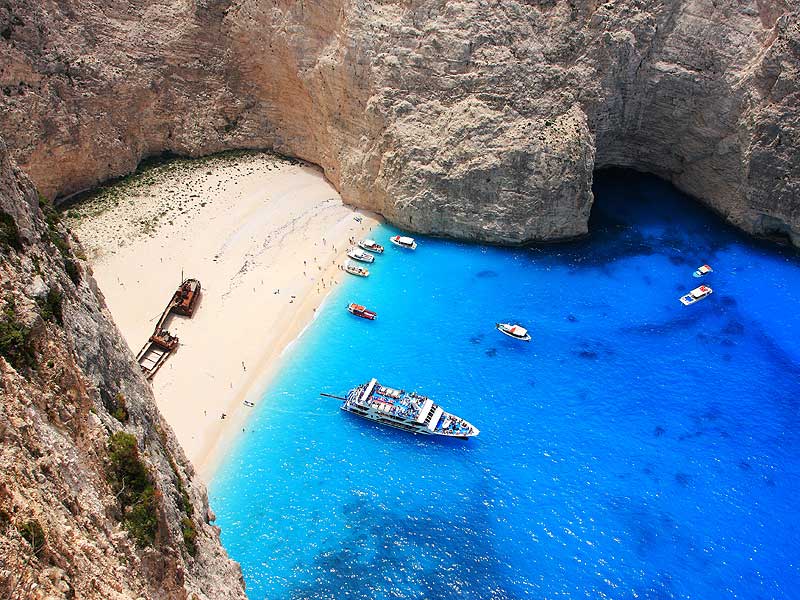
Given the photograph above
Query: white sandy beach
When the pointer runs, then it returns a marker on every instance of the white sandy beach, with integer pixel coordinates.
(265, 238)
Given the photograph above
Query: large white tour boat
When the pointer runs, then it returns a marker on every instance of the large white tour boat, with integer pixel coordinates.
(405, 410)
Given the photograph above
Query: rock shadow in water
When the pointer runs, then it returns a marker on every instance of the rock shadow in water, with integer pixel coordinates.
(390, 550)
(682, 479)
(594, 350)
(733, 327)
(679, 323)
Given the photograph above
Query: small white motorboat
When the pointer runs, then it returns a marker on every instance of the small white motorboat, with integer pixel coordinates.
(354, 269)
(515, 331)
(371, 245)
(701, 271)
(360, 255)
(696, 295)
(404, 242)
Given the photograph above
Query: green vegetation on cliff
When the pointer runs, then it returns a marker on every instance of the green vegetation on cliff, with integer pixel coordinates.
(184, 502)
(50, 307)
(59, 240)
(9, 233)
(133, 486)
(33, 533)
(120, 412)
(15, 339)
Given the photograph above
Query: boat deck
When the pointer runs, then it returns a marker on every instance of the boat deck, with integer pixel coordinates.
(415, 408)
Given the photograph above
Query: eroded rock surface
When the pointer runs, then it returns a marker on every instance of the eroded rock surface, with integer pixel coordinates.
(471, 118)
(68, 383)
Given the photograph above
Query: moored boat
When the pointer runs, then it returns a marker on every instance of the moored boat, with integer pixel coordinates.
(361, 311)
(696, 295)
(703, 270)
(360, 255)
(515, 331)
(404, 242)
(354, 269)
(408, 411)
(371, 245)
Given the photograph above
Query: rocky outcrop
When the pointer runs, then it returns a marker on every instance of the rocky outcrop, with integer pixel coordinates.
(477, 119)
(78, 520)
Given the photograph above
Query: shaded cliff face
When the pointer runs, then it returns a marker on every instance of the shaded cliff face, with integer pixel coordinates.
(97, 500)
(466, 118)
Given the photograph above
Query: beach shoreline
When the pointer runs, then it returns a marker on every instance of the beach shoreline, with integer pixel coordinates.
(264, 372)
(265, 236)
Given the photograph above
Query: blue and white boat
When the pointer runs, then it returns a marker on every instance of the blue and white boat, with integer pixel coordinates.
(696, 295)
(405, 410)
(702, 271)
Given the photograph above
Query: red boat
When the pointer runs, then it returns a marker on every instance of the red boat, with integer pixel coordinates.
(361, 311)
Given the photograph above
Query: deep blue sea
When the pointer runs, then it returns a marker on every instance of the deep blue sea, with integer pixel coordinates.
(636, 448)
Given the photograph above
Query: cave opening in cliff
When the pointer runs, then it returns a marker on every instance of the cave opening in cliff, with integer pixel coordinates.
(622, 194)
(627, 200)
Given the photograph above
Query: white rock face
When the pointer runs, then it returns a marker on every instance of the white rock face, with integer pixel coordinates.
(476, 119)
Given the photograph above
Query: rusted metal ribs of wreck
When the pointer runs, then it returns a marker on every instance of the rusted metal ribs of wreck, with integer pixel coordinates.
(162, 343)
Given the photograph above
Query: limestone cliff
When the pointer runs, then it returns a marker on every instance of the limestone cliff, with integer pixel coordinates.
(478, 119)
(473, 118)
(97, 499)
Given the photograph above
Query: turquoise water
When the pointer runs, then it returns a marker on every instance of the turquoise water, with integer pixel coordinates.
(636, 448)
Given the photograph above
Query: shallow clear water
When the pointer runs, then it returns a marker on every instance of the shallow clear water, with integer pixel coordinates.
(636, 448)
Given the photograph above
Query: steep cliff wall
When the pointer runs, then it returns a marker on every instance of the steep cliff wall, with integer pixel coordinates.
(97, 499)
(470, 118)
(473, 118)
